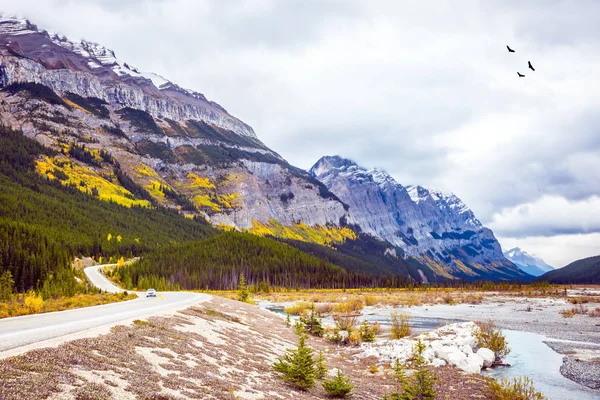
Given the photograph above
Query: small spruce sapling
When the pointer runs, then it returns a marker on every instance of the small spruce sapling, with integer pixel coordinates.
(367, 334)
(423, 380)
(320, 368)
(339, 386)
(312, 323)
(297, 366)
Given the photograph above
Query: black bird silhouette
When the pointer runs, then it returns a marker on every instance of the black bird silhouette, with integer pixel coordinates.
(520, 74)
(530, 66)
(510, 50)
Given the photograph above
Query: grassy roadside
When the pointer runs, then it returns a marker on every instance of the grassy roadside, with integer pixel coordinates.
(30, 303)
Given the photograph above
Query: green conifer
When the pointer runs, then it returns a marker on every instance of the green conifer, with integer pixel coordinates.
(320, 367)
(423, 380)
(297, 366)
(243, 289)
(339, 386)
(312, 323)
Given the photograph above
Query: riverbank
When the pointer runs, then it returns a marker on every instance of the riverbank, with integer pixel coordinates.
(220, 349)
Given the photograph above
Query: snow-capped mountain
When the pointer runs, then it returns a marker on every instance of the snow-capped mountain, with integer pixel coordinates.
(433, 226)
(91, 70)
(529, 263)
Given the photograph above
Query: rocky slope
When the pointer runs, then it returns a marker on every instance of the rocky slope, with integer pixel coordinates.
(435, 227)
(529, 263)
(185, 150)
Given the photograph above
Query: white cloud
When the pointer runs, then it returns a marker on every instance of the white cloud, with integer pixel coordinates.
(559, 250)
(549, 216)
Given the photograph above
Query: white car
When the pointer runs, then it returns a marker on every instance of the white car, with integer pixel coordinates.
(151, 293)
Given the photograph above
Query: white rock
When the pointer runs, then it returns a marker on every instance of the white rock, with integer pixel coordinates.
(466, 349)
(487, 356)
(471, 364)
(438, 362)
(445, 352)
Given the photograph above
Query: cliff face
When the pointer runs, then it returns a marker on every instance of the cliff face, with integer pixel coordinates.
(185, 150)
(435, 227)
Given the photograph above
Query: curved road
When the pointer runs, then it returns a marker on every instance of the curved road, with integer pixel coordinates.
(19, 334)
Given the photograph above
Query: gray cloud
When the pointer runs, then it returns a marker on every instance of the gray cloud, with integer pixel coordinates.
(428, 93)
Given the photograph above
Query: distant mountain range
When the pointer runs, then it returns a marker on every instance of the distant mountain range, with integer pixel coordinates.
(529, 263)
(137, 139)
(584, 271)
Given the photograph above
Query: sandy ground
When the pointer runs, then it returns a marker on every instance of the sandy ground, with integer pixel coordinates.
(220, 349)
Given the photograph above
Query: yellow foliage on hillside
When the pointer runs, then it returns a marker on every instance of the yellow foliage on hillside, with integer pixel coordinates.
(197, 182)
(324, 235)
(202, 200)
(76, 174)
(75, 105)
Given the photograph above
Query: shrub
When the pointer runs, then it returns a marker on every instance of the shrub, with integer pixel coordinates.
(297, 366)
(339, 386)
(354, 337)
(595, 312)
(345, 314)
(33, 302)
(490, 337)
(370, 300)
(298, 308)
(579, 309)
(517, 389)
(401, 383)
(401, 326)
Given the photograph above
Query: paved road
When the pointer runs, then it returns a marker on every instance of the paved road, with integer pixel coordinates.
(27, 331)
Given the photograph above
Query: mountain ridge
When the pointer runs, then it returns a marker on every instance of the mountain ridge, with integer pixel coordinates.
(435, 227)
(529, 263)
(138, 139)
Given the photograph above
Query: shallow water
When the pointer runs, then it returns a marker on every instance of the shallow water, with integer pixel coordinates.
(531, 357)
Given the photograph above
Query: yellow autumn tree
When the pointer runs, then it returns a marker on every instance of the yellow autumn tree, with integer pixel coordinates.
(121, 262)
(109, 237)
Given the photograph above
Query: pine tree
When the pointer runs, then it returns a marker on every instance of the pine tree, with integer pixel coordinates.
(7, 284)
(423, 380)
(242, 289)
(338, 386)
(297, 366)
(399, 376)
(320, 367)
(312, 323)
(367, 334)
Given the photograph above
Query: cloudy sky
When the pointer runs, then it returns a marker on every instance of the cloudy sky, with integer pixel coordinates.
(425, 90)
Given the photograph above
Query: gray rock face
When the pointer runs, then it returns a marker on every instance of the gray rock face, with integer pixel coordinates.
(248, 181)
(28, 54)
(426, 224)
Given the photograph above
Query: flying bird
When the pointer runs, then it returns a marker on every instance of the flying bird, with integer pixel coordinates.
(520, 74)
(510, 50)
(530, 66)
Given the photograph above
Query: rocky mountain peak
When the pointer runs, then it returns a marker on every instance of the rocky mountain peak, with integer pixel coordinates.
(437, 227)
(87, 69)
(529, 263)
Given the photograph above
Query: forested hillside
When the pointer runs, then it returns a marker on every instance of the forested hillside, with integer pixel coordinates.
(584, 271)
(44, 224)
(217, 262)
